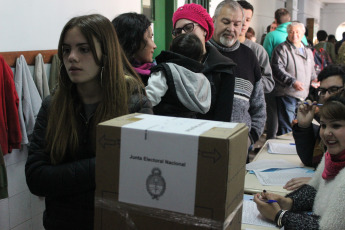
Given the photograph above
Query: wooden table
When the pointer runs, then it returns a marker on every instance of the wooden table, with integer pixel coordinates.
(252, 184)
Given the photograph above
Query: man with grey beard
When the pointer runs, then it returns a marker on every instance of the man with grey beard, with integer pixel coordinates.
(249, 103)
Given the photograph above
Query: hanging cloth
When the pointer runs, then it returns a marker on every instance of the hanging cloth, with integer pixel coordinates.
(10, 134)
(29, 99)
(54, 72)
(40, 77)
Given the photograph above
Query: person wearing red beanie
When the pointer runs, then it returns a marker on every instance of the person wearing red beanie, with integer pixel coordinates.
(193, 18)
(198, 14)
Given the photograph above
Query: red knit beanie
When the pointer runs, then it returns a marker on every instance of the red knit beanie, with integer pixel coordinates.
(195, 13)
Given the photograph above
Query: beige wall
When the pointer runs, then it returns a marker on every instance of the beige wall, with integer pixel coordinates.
(41, 21)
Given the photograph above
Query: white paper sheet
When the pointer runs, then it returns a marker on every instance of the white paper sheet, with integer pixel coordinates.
(251, 215)
(281, 148)
(268, 164)
(282, 176)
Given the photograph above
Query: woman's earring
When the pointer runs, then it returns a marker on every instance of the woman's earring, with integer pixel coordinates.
(102, 76)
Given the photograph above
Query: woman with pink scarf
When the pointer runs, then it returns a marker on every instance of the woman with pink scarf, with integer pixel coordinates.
(320, 203)
(136, 38)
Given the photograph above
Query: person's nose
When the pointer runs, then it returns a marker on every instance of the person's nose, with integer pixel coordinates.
(228, 28)
(73, 56)
(328, 131)
(327, 95)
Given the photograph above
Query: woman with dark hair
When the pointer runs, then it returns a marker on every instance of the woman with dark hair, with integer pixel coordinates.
(136, 38)
(324, 194)
(96, 83)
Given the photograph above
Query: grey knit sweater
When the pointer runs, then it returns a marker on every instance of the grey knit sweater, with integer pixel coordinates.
(249, 105)
(264, 62)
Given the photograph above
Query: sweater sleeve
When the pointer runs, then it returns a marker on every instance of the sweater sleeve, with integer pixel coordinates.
(45, 179)
(156, 87)
(303, 200)
(257, 111)
(266, 70)
(301, 221)
(305, 142)
(279, 62)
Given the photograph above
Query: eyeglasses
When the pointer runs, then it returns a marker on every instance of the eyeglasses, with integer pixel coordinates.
(331, 90)
(188, 28)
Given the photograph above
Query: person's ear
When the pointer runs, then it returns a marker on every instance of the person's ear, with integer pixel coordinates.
(205, 33)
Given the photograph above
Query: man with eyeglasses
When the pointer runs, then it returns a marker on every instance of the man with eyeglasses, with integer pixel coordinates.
(309, 147)
(249, 103)
(219, 70)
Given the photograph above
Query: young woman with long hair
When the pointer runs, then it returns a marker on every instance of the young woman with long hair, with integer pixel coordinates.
(96, 83)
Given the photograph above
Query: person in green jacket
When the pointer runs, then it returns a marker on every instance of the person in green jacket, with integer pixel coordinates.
(274, 38)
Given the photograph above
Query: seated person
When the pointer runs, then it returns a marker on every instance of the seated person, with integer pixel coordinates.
(176, 86)
(324, 194)
(308, 144)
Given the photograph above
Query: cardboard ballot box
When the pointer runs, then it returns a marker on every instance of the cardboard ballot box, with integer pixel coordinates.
(158, 172)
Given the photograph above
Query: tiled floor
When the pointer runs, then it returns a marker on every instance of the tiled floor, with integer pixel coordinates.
(21, 210)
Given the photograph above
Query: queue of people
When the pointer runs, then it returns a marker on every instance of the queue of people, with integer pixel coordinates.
(212, 71)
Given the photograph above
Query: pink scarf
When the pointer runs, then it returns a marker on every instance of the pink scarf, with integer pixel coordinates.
(144, 69)
(333, 164)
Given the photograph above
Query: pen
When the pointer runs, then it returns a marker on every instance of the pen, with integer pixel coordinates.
(269, 201)
(292, 144)
(312, 104)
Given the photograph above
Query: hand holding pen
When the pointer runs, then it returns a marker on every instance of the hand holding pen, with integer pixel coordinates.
(267, 201)
(267, 205)
(275, 200)
(306, 112)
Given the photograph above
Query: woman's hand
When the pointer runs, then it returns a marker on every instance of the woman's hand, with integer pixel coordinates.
(270, 210)
(305, 113)
(296, 183)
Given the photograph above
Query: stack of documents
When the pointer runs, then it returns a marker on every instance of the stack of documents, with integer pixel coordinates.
(281, 148)
(281, 176)
(277, 172)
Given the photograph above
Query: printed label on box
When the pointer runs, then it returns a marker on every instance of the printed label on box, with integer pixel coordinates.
(158, 161)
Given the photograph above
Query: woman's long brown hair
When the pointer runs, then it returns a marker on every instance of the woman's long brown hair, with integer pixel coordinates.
(62, 128)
